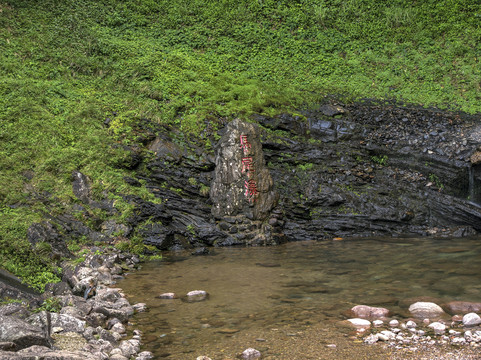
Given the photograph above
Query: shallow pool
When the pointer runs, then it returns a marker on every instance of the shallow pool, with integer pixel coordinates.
(288, 301)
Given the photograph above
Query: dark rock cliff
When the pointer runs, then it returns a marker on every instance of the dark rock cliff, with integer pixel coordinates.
(336, 171)
(354, 170)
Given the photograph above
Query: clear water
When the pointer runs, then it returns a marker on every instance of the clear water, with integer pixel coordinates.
(288, 301)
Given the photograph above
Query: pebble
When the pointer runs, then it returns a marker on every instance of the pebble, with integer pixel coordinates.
(471, 319)
(197, 295)
(140, 307)
(439, 328)
(411, 324)
(145, 355)
(394, 323)
(372, 339)
(251, 354)
(169, 295)
(360, 322)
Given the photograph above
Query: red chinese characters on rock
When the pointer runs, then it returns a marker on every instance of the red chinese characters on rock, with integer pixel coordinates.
(251, 192)
(248, 166)
(245, 145)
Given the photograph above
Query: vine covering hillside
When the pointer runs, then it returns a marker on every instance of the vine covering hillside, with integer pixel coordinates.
(66, 66)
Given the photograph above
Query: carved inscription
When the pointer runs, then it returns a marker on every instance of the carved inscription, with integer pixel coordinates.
(248, 167)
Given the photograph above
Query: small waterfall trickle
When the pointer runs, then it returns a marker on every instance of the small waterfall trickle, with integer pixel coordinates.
(474, 186)
(471, 183)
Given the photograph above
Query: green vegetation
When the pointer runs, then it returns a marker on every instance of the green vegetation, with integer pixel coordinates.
(305, 167)
(50, 304)
(380, 160)
(435, 180)
(66, 66)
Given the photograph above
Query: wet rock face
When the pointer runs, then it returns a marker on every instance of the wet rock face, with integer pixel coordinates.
(242, 183)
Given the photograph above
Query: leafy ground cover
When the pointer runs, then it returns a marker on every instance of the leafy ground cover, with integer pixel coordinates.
(65, 66)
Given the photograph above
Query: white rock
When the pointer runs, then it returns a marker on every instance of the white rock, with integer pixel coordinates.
(439, 328)
(140, 307)
(116, 357)
(203, 358)
(360, 322)
(411, 324)
(382, 337)
(118, 327)
(471, 319)
(372, 339)
(458, 341)
(389, 334)
(129, 347)
(115, 351)
(378, 323)
(144, 355)
(169, 295)
(197, 295)
(250, 354)
(394, 323)
(426, 310)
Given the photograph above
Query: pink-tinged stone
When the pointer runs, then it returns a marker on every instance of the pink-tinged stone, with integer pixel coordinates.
(462, 307)
(369, 312)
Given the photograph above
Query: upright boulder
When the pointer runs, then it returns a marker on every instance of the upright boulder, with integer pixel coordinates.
(242, 183)
(242, 192)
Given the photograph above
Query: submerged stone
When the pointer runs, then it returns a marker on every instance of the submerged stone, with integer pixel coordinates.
(251, 354)
(364, 311)
(197, 295)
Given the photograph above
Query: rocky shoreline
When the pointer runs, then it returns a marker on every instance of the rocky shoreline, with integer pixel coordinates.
(83, 317)
(429, 325)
